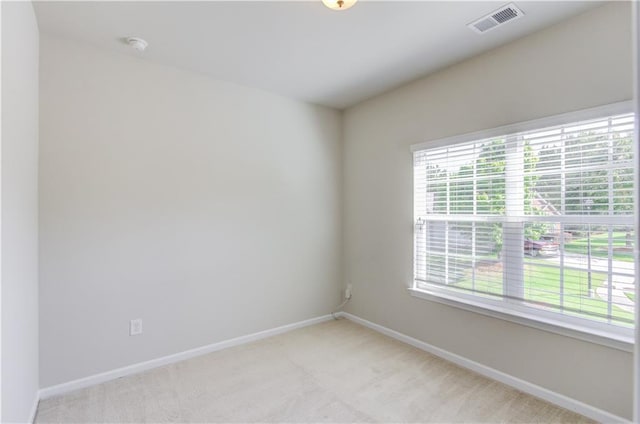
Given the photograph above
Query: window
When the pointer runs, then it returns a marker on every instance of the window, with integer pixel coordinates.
(537, 222)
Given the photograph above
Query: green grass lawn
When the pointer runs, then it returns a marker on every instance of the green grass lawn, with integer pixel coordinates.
(600, 246)
(542, 286)
(631, 296)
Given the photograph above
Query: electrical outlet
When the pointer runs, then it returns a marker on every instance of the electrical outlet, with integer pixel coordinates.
(135, 327)
(347, 292)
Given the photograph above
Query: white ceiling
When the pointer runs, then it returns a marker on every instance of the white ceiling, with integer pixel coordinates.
(301, 49)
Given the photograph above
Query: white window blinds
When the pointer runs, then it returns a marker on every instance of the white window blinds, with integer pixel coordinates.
(541, 220)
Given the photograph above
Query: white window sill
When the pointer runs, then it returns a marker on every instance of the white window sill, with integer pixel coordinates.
(621, 341)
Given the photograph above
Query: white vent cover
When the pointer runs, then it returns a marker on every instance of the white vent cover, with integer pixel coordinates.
(498, 17)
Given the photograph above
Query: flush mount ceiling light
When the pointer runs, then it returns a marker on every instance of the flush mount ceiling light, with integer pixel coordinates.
(137, 43)
(339, 4)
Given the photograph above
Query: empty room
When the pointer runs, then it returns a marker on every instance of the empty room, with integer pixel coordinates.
(319, 211)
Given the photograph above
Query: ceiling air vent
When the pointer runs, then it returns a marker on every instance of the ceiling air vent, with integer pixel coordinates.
(496, 18)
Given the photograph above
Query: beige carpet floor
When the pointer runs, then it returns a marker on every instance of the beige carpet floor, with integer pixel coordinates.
(337, 371)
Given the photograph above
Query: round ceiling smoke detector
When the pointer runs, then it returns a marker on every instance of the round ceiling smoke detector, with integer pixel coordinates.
(137, 43)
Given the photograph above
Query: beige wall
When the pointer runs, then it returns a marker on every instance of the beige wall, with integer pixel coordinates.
(207, 209)
(581, 63)
(19, 228)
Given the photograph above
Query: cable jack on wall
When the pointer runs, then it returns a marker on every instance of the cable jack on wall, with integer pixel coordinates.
(347, 298)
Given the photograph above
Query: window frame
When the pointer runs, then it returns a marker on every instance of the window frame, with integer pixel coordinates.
(617, 337)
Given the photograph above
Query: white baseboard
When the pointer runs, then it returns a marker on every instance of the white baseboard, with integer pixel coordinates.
(60, 389)
(522, 385)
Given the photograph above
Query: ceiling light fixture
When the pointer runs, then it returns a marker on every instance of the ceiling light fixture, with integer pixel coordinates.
(339, 4)
(137, 43)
